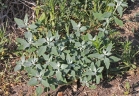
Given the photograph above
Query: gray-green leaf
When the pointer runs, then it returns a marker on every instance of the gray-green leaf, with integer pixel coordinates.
(73, 73)
(63, 66)
(109, 47)
(97, 79)
(111, 4)
(45, 83)
(33, 81)
(54, 51)
(23, 43)
(32, 26)
(107, 62)
(26, 19)
(27, 64)
(39, 90)
(19, 22)
(83, 28)
(17, 67)
(118, 21)
(39, 42)
(120, 10)
(59, 75)
(41, 50)
(74, 24)
(28, 35)
(114, 59)
(54, 65)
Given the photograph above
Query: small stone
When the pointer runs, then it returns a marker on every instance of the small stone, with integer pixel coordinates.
(60, 94)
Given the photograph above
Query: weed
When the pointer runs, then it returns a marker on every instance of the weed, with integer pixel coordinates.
(3, 41)
(127, 88)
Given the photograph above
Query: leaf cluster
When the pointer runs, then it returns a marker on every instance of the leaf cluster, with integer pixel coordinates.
(55, 59)
(56, 15)
(57, 49)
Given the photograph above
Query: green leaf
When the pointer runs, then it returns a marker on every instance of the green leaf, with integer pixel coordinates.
(19, 22)
(40, 42)
(39, 90)
(33, 81)
(120, 10)
(73, 73)
(98, 63)
(17, 67)
(28, 35)
(23, 59)
(46, 57)
(98, 15)
(45, 83)
(26, 19)
(96, 55)
(108, 49)
(74, 24)
(100, 69)
(107, 62)
(54, 65)
(68, 58)
(83, 28)
(31, 50)
(27, 64)
(66, 70)
(89, 36)
(124, 4)
(41, 50)
(54, 51)
(42, 70)
(111, 4)
(93, 69)
(114, 59)
(49, 34)
(101, 34)
(42, 17)
(53, 87)
(118, 21)
(64, 66)
(88, 72)
(33, 72)
(97, 79)
(106, 15)
(77, 44)
(77, 34)
(23, 42)
(32, 26)
(62, 56)
(87, 60)
(59, 75)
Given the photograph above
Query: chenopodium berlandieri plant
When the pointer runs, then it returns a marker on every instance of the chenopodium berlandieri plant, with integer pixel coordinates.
(56, 59)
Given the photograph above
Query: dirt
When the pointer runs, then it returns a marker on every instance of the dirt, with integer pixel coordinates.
(130, 30)
(116, 87)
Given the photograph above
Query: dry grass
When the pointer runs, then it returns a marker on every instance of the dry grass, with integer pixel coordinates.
(9, 9)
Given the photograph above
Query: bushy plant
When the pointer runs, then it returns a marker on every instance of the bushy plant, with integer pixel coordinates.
(54, 59)
(128, 54)
(56, 49)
